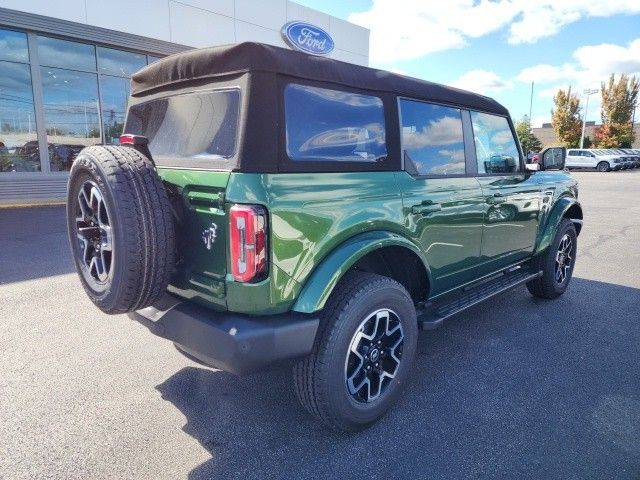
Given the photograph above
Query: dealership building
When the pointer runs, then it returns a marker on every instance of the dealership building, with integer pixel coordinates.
(65, 68)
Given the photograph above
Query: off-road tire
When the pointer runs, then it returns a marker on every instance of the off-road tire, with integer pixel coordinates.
(142, 228)
(547, 286)
(319, 378)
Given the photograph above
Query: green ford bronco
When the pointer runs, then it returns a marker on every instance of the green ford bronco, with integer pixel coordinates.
(270, 207)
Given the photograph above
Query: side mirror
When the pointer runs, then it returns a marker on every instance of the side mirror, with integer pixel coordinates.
(553, 158)
(532, 167)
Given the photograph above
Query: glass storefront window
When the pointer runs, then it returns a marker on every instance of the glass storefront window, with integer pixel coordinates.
(71, 114)
(18, 139)
(85, 89)
(63, 53)
(115, 94)
(117, 62)
(13, 46)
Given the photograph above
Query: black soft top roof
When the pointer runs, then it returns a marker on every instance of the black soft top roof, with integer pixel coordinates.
(214, 62)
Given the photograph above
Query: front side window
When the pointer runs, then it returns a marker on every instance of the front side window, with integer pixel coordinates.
(333, 126)
(432, 139)
(194, 126)
(496, 149)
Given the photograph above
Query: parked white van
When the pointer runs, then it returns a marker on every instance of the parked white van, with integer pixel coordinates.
(602, 160)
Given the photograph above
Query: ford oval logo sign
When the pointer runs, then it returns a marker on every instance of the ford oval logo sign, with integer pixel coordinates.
(307, 38)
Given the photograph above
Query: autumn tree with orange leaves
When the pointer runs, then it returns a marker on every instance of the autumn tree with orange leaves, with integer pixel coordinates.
(618, 101)
(565, 117)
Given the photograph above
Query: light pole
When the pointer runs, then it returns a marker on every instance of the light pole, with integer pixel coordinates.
(588, 92)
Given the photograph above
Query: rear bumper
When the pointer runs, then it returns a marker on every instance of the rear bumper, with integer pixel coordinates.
(232, 342)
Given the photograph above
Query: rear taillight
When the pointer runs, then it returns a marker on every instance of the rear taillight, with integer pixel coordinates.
(248, 235)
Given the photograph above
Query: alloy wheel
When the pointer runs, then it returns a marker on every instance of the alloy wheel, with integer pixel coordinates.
(374, 356)
(93, 231)
(564, 258)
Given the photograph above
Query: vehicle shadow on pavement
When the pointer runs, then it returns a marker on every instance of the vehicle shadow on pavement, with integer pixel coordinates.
(518, 387)
(33, 244)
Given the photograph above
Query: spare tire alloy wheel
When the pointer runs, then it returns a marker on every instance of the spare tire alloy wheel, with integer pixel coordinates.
(120, 228)
(93, 231)
(374, 355)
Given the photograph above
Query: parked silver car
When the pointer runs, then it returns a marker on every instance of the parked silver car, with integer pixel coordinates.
(601, 159)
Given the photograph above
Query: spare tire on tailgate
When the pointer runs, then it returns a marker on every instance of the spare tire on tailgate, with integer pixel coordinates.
(120, 228)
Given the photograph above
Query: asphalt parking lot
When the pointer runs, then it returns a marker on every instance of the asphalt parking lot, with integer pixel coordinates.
(516, 388)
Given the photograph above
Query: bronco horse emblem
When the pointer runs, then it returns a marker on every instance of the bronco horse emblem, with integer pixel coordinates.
(209, 235)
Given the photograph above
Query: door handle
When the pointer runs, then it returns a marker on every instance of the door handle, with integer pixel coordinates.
(425, 208)
(497, 198)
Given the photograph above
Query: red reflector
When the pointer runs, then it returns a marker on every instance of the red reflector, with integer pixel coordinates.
(248, 242)
(129, 139)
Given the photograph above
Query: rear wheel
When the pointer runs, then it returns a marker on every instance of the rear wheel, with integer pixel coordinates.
(556, 263)
(363, 353)
(603, 167)
(120, 228)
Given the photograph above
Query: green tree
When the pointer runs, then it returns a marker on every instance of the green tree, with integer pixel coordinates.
(565, 118)
(529, 142)
(618, 100)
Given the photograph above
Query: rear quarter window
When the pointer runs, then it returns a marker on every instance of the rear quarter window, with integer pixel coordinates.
(333, 126)
(197, 127)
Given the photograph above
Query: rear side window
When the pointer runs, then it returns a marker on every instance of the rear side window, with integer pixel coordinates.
(333, 126)
(192, 126)
(496, 148)
(432, 139)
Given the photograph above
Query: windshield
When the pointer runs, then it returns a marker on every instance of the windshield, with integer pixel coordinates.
(195, 127)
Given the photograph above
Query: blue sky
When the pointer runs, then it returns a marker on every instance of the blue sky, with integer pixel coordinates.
(497, 47)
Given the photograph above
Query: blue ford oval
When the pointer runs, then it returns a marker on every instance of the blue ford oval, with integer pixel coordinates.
(308, 38)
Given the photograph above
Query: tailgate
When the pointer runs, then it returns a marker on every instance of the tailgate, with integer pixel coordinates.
(202, 232)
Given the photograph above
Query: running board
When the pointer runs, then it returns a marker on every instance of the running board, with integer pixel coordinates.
(434, 314)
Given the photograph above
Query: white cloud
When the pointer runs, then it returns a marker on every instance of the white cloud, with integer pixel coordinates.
(481, 81)
(602, 60)
(593, 64)
(444, 131)
(545, 18)
(414, 28)
(454, 155)
(546, 73)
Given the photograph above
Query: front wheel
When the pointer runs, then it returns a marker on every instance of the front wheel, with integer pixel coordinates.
(363, 353)
(603, 167)
(556, 263)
